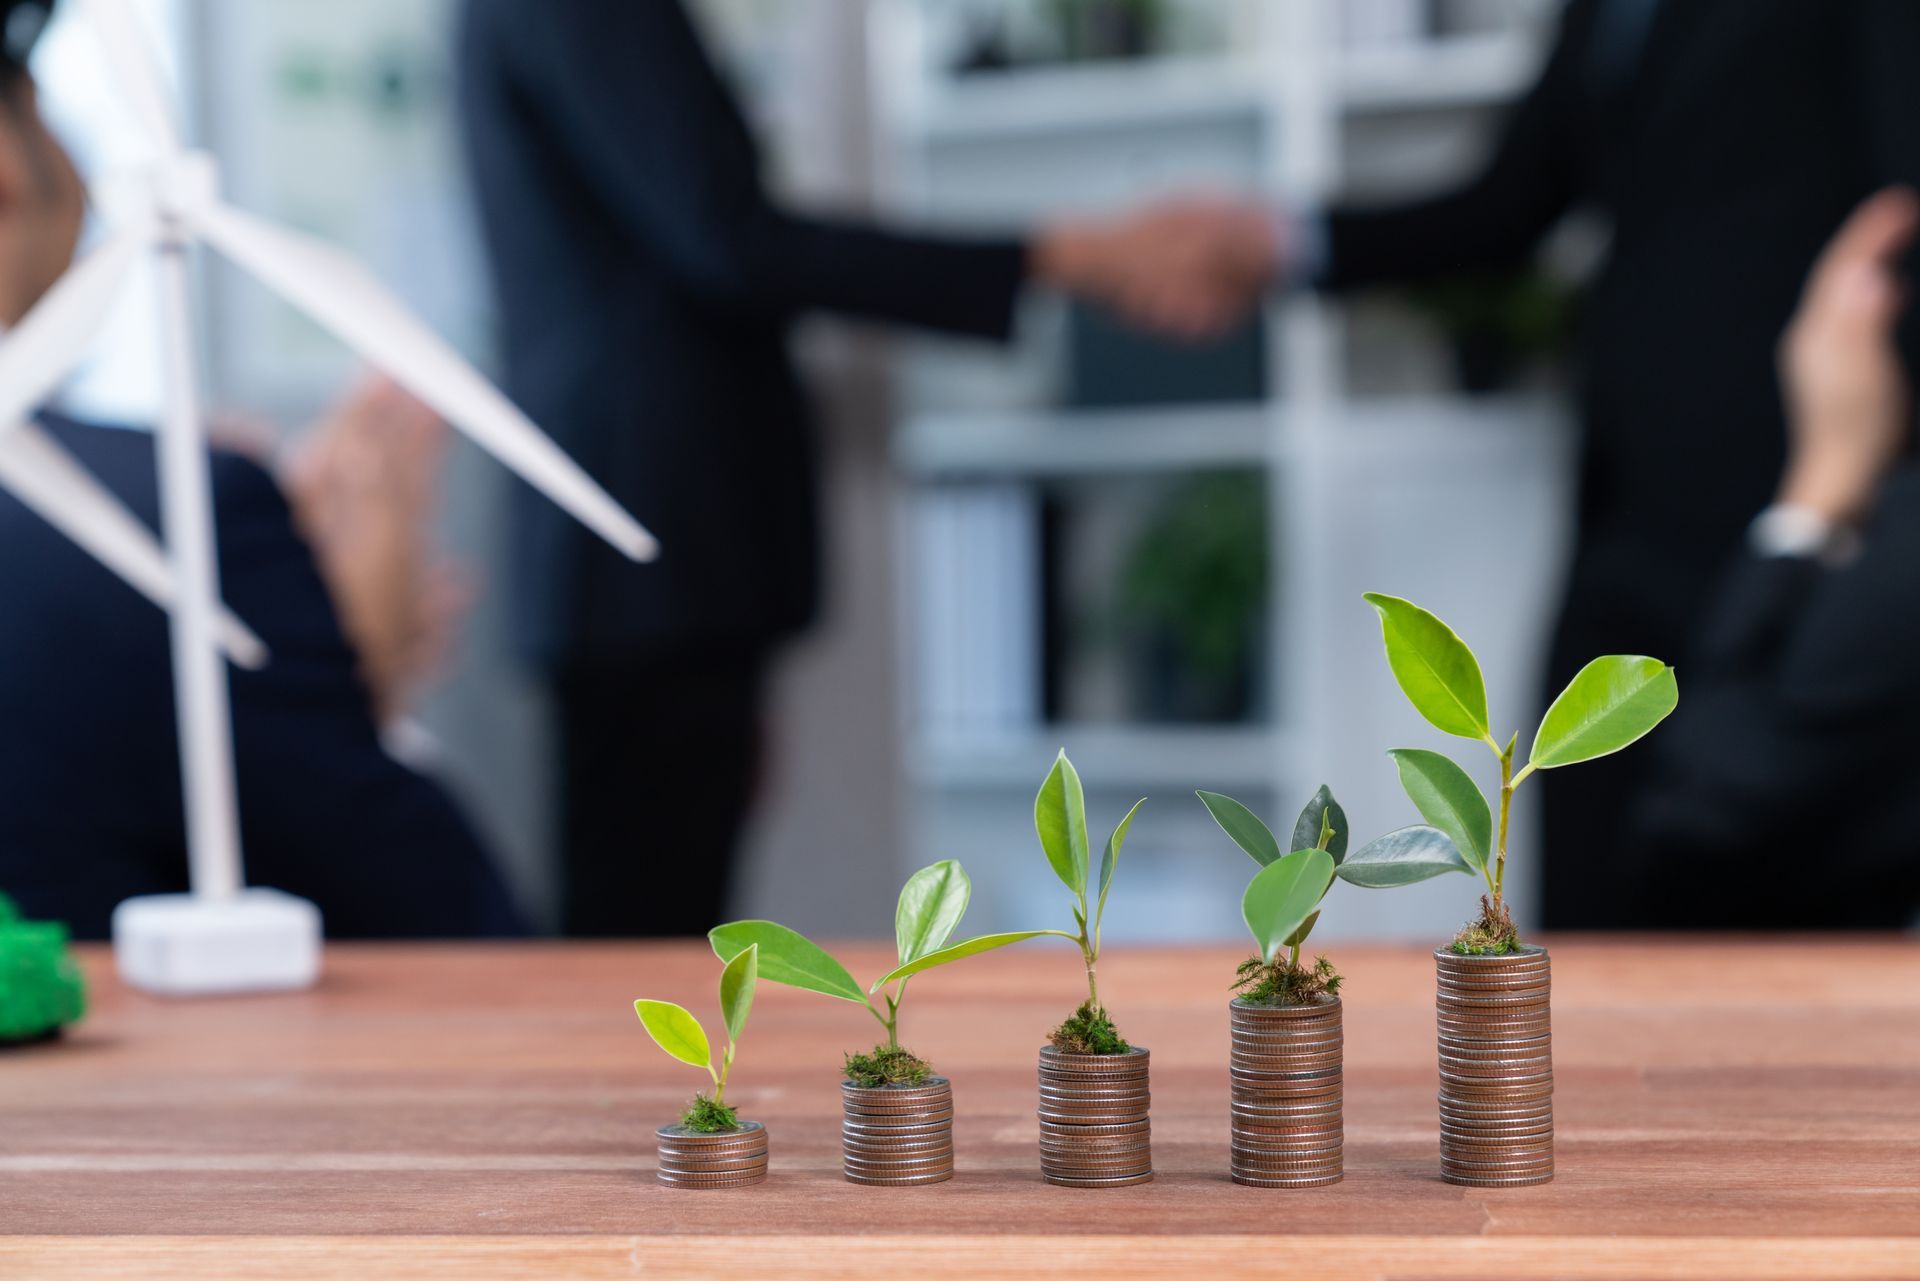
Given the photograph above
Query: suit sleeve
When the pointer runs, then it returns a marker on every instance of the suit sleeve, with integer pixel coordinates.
(1496, 218)
(326, 813)
(1787, 718)
(626, 90)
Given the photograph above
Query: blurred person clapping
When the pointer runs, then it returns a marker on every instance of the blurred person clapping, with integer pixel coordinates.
(1722, 143)
(1783, 795)
(92, 813)
(364, 483)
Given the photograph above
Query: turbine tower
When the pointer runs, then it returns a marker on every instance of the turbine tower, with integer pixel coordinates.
(223, 936)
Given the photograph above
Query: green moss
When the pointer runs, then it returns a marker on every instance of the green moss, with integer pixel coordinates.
(1088, 1031)
(1494, 934)
(887, 1065)
(1258, 983)
(709, 1116)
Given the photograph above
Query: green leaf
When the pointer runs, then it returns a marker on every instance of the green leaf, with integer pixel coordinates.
(736, 990)
(1435, 669)
(1612, 702)
(675, 1031)
(971, 947)
(786, 957)
(1282, 895)
(1246, 829)
(1447, 798)
(1307, 828)
(1299, 936)
(1110, 857)
(1401, 858)
(931, 904)
(1060, 817)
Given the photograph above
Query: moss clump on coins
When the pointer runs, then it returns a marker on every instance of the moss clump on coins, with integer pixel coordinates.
(1494, 934)
(708, 1115)
(1282, 982)
(1089, 1030)
(887, 1065)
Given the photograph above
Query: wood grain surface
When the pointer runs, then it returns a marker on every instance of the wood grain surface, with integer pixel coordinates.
(1725, 1109)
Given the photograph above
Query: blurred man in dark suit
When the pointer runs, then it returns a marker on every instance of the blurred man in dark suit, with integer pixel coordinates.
(1782, 794)
(648, 286)
(91, 809)
(1725, 140)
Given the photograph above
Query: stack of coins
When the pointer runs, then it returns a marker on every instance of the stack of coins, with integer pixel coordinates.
(897, 1135)
(1094, 1131)
(729, 1159)
(1496, 1068)
(1288, 1130)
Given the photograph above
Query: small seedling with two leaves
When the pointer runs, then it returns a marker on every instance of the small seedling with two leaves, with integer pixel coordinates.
(677, 1032)
(931, 905)
(1060, 820)
(1611, 703)
(1282, 903)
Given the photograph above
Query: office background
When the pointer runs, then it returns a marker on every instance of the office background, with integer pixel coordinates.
(1030, 548)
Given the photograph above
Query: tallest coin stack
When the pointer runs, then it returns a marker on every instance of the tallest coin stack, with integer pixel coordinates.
(1496, 1068)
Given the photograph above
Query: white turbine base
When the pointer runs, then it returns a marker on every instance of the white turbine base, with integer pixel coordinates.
(258, 940)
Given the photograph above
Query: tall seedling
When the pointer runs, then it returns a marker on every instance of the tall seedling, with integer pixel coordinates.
(1613, 702)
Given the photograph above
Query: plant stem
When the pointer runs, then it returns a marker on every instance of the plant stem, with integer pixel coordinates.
(1507, 783)
(720, 1077)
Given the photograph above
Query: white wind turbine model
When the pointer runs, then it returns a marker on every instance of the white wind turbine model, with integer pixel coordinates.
(222, 936)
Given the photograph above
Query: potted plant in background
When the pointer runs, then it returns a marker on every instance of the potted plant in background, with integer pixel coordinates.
(1495, 1024)
(898, 1123)
(711, 1147)
(1286, 1062)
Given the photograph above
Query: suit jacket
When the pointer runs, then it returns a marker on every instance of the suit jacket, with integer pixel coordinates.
(1725, 141)
(647, 285)
(91, 812)
(1725, 149)
(1783, 792)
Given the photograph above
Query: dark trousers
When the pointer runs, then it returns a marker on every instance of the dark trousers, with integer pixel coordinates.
(659, 760)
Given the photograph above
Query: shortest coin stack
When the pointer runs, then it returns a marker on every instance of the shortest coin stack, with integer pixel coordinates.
(729, 1159)
(1288, 1128)
(1094, 1127)
(1496, 1068)
(897, 1135)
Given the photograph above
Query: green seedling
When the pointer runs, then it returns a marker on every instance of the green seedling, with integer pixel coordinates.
(931, 904)
(1060, 819)
(1282, 903)
(1613, 702)
(677, 1032)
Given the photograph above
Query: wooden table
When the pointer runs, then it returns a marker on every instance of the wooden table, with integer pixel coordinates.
(1726, 1109)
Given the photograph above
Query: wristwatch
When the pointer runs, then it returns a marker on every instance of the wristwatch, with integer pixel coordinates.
(1784, 530)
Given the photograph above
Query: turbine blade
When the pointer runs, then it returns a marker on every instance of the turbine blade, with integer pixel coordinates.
(49, 481)
(344, 297)
(134, 60)
(38, 353)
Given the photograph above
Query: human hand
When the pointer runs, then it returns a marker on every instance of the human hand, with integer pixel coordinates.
(364, 485)
(1848, 402)
(1189, 268)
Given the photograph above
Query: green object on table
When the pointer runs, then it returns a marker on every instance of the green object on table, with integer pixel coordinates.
(41, 988)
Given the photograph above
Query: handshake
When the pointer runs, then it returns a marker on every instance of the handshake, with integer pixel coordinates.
(1187, 268)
